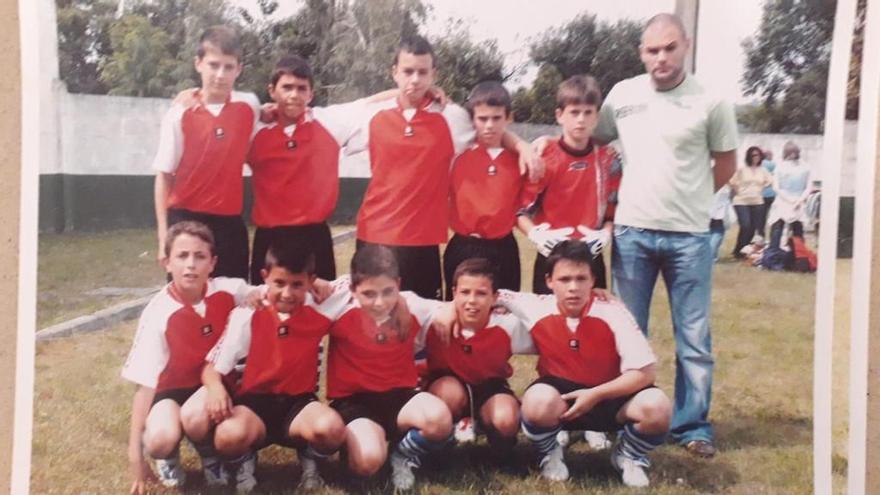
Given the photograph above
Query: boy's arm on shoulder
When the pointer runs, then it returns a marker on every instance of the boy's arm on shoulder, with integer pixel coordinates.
(344, 120)
(235, 342)
(461, 128)
(334, 306)
(520, 336)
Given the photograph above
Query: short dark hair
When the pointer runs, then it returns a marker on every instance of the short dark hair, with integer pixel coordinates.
(751, 150)
(571, 250)
(491, 93)
(477, 267)
(190, 227)
(666, 18)
(292, 65)
(417, 45)
(582, 89)
(223, 38)
(373, 260)
(294, 257)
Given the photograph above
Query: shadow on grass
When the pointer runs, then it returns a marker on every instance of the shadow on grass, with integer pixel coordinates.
(764, 429)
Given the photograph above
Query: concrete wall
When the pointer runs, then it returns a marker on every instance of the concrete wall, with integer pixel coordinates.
(95, 162)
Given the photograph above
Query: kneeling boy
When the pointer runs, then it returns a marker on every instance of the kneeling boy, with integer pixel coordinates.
(371, 374)
(177, 329)
(470, 373)
(595, 367)
(275, 402)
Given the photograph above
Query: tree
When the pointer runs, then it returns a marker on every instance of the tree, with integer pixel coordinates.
(785, 61)
(462, 63)
(139, 65)
(83, 40)
(543, 95)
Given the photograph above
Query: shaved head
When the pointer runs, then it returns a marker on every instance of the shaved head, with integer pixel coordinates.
(663, 50)
(666, 20)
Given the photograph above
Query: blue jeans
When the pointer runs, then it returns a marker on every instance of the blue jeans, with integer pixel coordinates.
(685, 260)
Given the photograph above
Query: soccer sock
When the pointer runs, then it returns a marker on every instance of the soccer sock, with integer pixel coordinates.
(543, 437)
(205, 448)
(415, 446)
(311, 453)
(636, 445)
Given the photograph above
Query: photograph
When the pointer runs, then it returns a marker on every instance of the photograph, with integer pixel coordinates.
(438, 246)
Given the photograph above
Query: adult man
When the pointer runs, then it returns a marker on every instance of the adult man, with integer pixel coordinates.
(669, 126)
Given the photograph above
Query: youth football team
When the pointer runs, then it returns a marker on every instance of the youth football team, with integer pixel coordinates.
(234, 367)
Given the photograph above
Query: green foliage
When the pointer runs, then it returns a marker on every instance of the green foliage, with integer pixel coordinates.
(83, 41)
(607, 51)
(138, 65)
(462, 63)
(787, 65)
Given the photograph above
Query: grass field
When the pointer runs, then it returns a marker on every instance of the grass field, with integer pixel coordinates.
(763, 341)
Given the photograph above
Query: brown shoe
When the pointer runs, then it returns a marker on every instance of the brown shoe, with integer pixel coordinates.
(700, 448)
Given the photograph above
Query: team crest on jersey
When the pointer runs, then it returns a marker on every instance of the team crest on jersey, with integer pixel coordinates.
(219, 133)
(381, 338)
(577, 166)
(291, 144)
(207, 330)
(574, 344)
(283, 331)
(492, 170)
(467, 349)
(408, 131)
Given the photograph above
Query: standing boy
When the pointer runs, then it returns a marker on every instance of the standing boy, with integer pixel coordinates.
(202, 150)
(575, 199)
(411, 142)
(275, 402)
(596, 370)
(176, 330)
(485, 192)
(295, 163)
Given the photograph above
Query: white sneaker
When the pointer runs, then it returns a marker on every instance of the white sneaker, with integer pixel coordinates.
(563, 438)
(170, 472)
(402, 476)
(632, 472)
(597, 440)
(244, 473)
(215, 471)
(553, 465)
(465, 431)
(311, 478)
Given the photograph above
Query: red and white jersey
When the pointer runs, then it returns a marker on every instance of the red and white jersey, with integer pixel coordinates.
(173, 337)
(577, 189)
(205, 148)
(600, 345)
(484, 193)
(478, 355)
(366, 357)
(296, 168)
(281, 349)
(406, 202)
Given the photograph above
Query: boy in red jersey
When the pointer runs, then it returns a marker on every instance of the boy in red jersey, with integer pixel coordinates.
(575, 199)
(202, 150)
(275, 402)
(176, 330)
(371, 375)
(411, 142)
(485, 192)
(295, 164)
(470, 373)
(596, 370)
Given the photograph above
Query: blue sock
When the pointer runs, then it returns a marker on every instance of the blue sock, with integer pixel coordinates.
(636, 445)
(415, 446)
(543, 437)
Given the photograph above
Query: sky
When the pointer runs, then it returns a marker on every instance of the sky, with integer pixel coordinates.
(722, 26)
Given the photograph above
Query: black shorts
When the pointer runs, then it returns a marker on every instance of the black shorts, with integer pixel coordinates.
(380, 407)
(539, 284)
(230, 239)
(602, 417)
(480, 393)
(179, 395)
(419, 268)
(276, 411)
(504, 252)
(315, 236)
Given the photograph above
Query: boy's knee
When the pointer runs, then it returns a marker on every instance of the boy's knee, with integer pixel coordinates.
(542, 405)
(655, 410)
(195, 422)
(438, 423)
(367, 462)
(232, 438)
(505, 421)
(329, 429)
(160, 443)
(451, 392)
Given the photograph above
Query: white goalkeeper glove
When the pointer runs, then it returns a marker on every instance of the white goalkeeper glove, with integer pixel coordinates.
(546, 238)
(596, 240)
